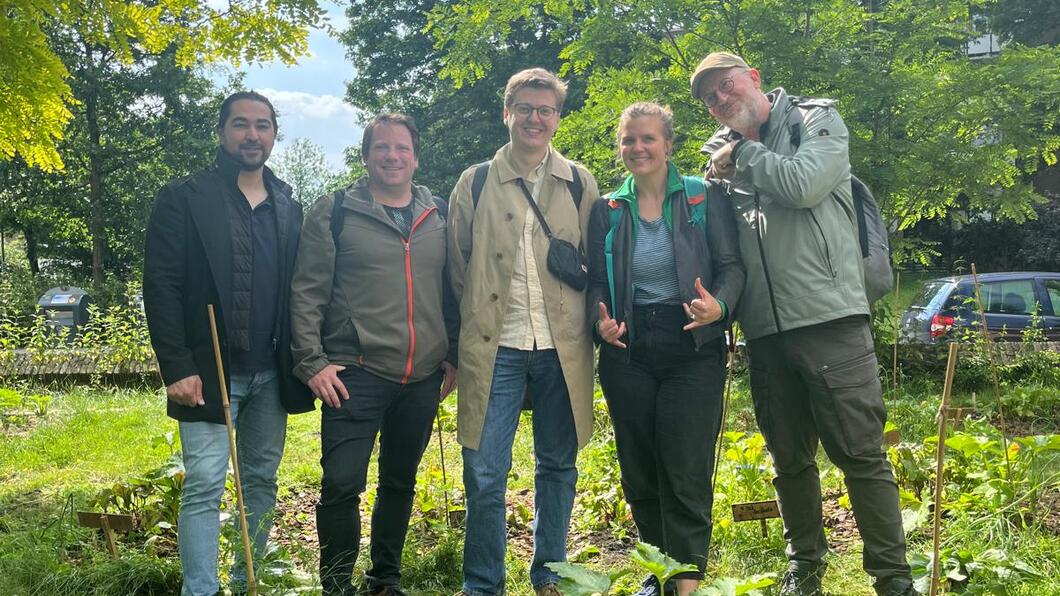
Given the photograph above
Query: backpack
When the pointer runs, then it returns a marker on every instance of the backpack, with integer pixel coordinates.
(483, 169)
(872, 231)
(338, 215)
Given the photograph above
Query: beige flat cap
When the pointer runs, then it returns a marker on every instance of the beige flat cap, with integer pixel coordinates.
(714, 61)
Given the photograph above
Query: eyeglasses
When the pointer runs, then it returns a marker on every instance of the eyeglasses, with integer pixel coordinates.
(524, 110)
(725, 86)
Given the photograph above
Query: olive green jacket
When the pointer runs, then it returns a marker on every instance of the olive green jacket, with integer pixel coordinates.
(794, 207)
(483, 243)
(379, 303)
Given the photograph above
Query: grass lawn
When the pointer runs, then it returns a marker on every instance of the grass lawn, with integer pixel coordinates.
(92, 438)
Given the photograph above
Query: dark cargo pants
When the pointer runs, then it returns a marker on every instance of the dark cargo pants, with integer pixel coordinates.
(821, 383)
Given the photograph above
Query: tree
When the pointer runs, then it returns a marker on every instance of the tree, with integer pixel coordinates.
(35, 95)
(927, 124)
(134, 126)
(459, 125)
(303, 165)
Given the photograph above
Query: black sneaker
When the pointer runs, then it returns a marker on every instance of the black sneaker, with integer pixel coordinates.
(802, 581)
(650, 587)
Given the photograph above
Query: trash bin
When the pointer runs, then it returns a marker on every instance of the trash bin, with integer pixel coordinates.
(65, 308)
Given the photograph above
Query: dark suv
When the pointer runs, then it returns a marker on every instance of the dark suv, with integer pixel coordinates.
(945, 308)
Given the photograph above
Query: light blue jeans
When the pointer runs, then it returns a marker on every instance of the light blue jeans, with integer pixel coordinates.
(486, 470)
(261, 427)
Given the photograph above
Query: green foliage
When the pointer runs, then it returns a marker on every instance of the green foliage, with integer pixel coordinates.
(745, 469)
(459, 125)
(578, 580)
(35, 96)
(967, 571)
(17, 409)
(933, 133)
(303, 165)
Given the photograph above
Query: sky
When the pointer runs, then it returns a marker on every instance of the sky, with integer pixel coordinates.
(309, 96)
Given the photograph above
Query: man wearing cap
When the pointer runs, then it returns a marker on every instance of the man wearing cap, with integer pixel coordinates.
(805, 315)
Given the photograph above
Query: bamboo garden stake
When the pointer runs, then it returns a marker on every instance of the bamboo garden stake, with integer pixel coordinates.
(252, 584)
(897, 318)
(993, 373)
(940, 451)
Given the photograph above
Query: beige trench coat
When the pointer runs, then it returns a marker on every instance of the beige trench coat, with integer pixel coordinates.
(481, 260)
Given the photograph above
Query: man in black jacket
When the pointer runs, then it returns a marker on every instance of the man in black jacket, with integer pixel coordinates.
(226, 236)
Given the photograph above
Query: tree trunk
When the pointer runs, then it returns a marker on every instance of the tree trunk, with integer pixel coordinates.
(31, 250)
(96, 222)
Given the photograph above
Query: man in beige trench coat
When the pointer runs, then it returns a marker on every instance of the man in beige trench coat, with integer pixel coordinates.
(522, 329)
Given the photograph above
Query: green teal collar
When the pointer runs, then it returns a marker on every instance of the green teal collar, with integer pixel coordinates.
(628, 190)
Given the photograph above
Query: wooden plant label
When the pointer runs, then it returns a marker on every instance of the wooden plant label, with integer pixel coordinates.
(957, 415)
(757, 510)
(109, 523)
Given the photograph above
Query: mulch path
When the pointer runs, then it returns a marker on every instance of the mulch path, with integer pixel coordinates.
(842, 529)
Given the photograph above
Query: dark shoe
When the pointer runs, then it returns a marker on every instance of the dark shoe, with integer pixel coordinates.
(897, 586)
(547, 590)
(802, 581)
(389, 591)
(650, 587)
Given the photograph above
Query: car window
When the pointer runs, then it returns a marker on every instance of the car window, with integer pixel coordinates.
(1009, 297)
(927, 293)
(1052, 287)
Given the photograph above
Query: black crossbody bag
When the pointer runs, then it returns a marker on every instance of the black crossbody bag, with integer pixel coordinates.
(565, 261)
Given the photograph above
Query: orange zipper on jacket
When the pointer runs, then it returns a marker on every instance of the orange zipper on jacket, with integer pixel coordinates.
(407, 242)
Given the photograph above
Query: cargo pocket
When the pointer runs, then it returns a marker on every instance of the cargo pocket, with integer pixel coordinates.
(854, 388)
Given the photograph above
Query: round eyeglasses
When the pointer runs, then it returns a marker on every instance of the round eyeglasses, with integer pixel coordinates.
(524, 110)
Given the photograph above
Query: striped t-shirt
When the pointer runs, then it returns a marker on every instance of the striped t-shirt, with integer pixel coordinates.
(654, 269)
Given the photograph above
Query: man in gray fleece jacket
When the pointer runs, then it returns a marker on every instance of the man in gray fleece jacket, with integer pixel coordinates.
(805, 315)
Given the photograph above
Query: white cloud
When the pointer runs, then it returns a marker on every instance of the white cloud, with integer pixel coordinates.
(326, 120)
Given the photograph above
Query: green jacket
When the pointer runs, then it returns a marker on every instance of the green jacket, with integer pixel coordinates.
(812, 269)
(381, 304)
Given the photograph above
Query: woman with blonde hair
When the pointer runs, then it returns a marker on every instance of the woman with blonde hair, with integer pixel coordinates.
(665, 273)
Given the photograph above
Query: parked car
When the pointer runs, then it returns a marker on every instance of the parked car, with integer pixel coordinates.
(945, 309)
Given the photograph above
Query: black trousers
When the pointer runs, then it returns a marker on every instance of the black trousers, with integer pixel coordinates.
(821, 383)
(665, 406)
(403, 416)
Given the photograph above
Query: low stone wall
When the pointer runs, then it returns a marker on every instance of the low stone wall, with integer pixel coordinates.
(27, 363)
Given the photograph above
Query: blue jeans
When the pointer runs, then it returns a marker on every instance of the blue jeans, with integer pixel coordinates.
(261, 427)
(486, 470)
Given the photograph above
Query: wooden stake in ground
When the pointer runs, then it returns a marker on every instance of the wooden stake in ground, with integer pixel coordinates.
(252, 584)
(940, 451)
(993, 373)
(731, 346)
(897, 318)
(445, 479)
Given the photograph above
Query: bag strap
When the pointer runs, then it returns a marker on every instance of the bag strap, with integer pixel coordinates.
(482, 170)
(338, 215)
(533, 205)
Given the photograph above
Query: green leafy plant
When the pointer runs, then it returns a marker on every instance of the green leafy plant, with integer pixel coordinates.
(965, 571)
(578, 580)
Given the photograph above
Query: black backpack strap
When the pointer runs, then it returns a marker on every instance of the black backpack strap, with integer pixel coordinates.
(575, 186)
(858, 190)
(338, 218)
(481, 171)
(443, 207)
